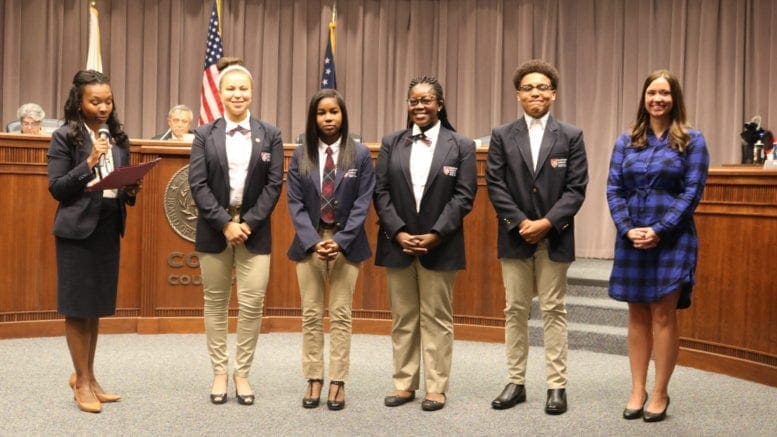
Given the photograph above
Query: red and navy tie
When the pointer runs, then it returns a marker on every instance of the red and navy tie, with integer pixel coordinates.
(328, 189)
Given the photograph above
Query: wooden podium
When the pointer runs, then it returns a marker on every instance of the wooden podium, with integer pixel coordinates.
(731, 327)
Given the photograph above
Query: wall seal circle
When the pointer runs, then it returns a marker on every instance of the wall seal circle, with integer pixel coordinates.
(180, 209)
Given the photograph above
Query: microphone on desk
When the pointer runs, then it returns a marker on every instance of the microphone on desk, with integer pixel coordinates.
(105, 133)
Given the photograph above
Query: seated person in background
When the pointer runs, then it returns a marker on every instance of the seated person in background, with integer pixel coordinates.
(30, 116)
(179, 120)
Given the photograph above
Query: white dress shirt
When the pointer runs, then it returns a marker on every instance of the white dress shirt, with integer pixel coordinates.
(421, 161)
(536, 131)
(238, 157)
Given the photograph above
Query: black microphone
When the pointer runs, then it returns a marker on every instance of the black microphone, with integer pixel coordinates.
(103, 132)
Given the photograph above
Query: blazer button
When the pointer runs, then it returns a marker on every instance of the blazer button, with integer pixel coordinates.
(533, 189)
(339, 226)
(337, 202)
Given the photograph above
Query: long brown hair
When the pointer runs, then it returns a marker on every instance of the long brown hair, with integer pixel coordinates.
(678, 130)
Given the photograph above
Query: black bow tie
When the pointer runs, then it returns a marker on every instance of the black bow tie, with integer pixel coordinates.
(238, 129)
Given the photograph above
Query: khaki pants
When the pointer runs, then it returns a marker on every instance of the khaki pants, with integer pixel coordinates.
(313, 275)
(422, 321)
(253, 272)
(546, 279)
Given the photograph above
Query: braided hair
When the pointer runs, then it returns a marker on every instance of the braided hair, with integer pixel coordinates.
(438, 94)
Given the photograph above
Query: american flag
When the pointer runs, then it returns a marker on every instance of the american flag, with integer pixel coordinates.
(210, 102)
(328, 76)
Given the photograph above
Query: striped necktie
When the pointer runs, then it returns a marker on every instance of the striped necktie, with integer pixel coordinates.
(328, 189)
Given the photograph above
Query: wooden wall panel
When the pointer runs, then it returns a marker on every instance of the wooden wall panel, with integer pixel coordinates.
(731, 326)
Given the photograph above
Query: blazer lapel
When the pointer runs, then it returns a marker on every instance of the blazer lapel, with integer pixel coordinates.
(315, 176)
(219, 135)
(441, 150)
(257, 137)
(404, 147)
(524, 144)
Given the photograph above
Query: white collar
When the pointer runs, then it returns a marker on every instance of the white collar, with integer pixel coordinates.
(335, 146)
(244, 123)
(432, 133)
(543, 120)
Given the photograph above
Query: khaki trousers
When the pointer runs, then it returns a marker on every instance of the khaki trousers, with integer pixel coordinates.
(313, 275)
(422, 321)
(252, 272)
(546, 279)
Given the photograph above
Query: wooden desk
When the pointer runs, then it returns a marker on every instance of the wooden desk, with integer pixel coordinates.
(730, 328)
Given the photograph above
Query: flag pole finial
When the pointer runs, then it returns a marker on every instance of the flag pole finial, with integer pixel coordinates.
(334, 11)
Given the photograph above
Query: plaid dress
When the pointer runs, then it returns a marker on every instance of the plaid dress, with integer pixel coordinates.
(660, 188)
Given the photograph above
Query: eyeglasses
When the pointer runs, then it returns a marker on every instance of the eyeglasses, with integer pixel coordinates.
(30, 123)
(543, 87)
(425, 101)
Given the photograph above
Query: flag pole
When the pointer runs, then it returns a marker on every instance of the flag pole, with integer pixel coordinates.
(218, 14)
(332, 26)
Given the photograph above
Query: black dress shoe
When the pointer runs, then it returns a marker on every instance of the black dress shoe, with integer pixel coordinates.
(557, 401)
(311, 402)
(512, 394)
(430, 405)
(636, 413)
(334, 404)
(647, 416)
(395, 401)
(218, 398)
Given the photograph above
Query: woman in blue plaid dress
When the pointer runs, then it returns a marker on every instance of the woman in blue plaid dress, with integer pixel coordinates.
(656, 179)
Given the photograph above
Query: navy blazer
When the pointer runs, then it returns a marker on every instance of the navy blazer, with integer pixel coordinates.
(209, 182)
(353, 193)
(78, 210)
(555, 191)
(448, 197)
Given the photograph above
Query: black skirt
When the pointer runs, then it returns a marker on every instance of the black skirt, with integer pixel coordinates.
(88, 270)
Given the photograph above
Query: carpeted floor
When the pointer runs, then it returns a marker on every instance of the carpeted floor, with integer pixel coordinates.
(165, 381)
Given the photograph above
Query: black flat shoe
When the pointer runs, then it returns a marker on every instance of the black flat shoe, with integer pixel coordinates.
(218, 398)
(334, 404)
(511, 395)
(311, 402)
(557, 401)
(430, 405)
(631, 414)
(647, 416)
(395, 401)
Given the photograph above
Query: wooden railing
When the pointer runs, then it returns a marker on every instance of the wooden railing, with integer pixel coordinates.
(731, 327)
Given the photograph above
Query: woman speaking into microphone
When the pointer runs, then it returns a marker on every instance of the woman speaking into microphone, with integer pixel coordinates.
(88, 225)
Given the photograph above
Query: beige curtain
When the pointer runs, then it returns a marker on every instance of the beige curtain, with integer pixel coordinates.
(724, 51)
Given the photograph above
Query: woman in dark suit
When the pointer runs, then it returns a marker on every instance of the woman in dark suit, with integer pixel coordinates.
(425, 183)
(235, 174)
(329, 185)
(88, 225)
(657, 176)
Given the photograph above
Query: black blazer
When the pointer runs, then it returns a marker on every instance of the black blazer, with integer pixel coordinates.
(353, 194)
(450, 192)
(209, 182)
(555, 191)
(78, 210)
